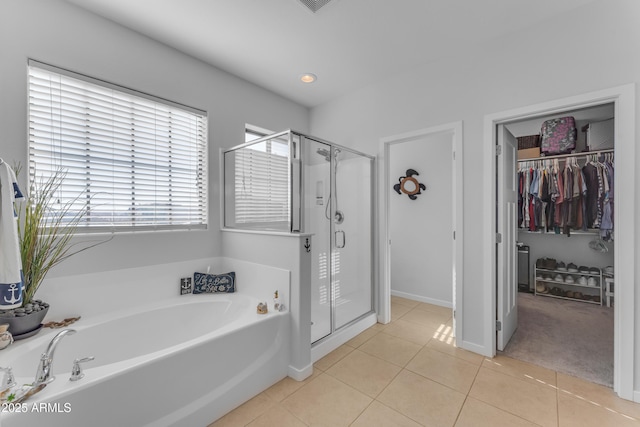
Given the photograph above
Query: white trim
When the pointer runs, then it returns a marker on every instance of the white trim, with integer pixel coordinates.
(341, 336)
(384, 309)
(300, 374)
(440, 303)
(623, 98)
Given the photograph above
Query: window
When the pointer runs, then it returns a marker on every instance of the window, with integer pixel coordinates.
(138, 162)
(262, 184)
(258, 182)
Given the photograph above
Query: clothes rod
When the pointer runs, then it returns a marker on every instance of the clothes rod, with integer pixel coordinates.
(562, 156)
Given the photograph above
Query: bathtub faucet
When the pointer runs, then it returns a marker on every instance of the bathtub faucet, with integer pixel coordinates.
(45, 367)
(8, 380)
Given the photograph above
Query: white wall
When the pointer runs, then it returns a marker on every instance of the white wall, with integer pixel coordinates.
(592, 48)
(64, 35)
(421, 229)
(287, 252)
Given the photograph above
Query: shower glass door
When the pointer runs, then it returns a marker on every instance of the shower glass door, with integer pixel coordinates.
(317, 211)
(338, 211)
(351, 255)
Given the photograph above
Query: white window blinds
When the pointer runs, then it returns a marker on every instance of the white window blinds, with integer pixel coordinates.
(262, 185)
(139, 162)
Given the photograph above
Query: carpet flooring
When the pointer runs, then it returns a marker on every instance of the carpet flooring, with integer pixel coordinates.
(571, 337)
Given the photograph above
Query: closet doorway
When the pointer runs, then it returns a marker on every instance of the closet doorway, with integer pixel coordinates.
(427, 265)
(566, 253)
(622, 99)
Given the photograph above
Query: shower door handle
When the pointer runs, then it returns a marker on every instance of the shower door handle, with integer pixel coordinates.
(341, 239)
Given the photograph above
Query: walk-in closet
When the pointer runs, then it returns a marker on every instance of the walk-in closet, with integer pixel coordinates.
(566, 271)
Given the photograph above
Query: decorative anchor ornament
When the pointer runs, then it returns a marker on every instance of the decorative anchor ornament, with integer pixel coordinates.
(13, 288)
(409, 185)
(307, 245)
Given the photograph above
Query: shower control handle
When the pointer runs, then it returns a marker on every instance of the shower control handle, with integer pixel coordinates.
(341, 239)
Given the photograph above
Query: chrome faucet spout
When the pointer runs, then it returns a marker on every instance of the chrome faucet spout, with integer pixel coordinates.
(45, 367)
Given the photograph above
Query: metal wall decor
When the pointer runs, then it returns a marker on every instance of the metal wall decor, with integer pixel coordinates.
(409, 185)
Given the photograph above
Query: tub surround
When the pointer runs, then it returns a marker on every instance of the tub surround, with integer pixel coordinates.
(127, 289)
(160, 358)
(225, 355)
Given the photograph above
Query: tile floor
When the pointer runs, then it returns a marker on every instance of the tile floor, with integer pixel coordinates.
(409, 373)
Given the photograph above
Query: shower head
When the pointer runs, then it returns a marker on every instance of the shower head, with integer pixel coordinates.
(325, 153)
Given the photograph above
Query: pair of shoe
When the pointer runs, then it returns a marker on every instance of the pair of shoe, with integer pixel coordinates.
(582, 281)
(558, 278)
(546, 263)
(592, 282)
(572, 268)
(561, 266)
(569, 279)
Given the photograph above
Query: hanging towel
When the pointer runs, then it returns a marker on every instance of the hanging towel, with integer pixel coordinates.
(10, 264)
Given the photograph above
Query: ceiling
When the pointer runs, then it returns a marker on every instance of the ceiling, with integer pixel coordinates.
(348, 44)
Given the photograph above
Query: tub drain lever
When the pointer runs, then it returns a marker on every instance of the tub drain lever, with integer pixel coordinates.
(76, 371)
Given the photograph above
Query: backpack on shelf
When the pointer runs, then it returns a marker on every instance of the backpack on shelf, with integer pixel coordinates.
(558, 136)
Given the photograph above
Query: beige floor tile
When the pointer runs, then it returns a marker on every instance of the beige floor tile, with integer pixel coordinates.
(277, 416)
(444, 311)
(326, 401)
(598, 394)
(519, 369)
(392, 349)
(379, 415)
(422, 400)
(444, 369)
(533, 402)
(379, 327)
(581, 413)
(327, 361)
(426, 318)
(247, 412)
(448, 346)
(404, 301)
(285, 387)
(398, 310)
(364, 372)
(478, 414)
(410, 331)
(362, 337)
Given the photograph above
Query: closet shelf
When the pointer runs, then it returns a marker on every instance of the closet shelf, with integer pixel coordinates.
(572, 299)
(563, 288)
(589, 232)
(563, 156)
(573, 273)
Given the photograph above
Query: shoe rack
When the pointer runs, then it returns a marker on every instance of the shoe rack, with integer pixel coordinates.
(583, 284)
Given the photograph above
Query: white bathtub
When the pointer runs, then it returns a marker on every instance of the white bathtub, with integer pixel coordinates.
(186, 361)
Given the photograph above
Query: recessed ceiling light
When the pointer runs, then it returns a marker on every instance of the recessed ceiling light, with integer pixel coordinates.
(308, 78)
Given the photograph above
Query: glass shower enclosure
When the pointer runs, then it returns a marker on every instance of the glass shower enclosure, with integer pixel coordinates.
(296, 183)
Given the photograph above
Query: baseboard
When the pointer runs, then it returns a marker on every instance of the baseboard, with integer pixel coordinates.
(421, 298)
(636, 396)
(476, 348)
(300, 374)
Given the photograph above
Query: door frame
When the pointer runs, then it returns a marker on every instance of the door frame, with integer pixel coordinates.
(623, 98)
(384, 249)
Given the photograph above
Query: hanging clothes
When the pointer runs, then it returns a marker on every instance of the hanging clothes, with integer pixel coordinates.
(11, 282)
(561, 196)
(606, 226)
